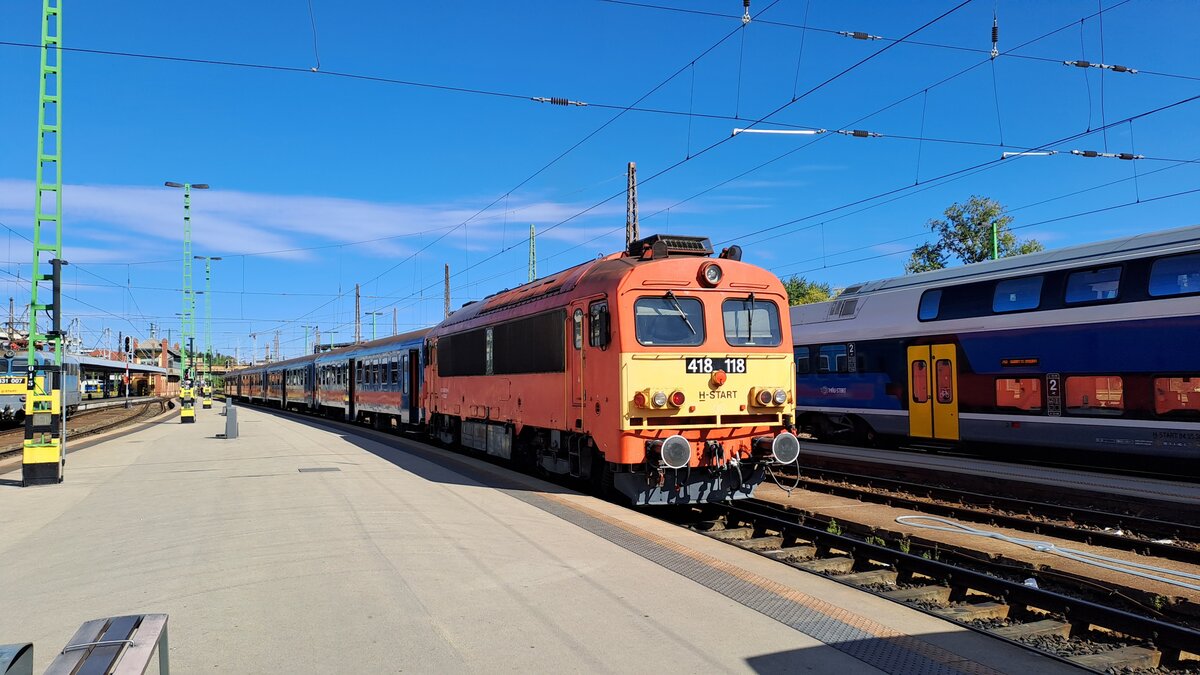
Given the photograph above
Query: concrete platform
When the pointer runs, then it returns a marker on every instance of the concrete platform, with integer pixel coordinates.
(300, 549)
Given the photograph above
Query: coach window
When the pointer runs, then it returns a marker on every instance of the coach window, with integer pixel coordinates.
(1095, 395)
(832, 359)
(802, 365)
(1014, 295)
(577, 319)
(1179, 275)
(1093, 285)
(396, 372)
(751, 323)
(1177, 396)
(1022, 393)
(669, 320)
(930, 303)
(920, 382)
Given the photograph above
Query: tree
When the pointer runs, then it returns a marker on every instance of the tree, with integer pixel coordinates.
(801, 291)
(966, 236)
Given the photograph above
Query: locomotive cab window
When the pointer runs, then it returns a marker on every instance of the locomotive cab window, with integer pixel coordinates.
(669, 321)
(1093, 285)
(577, 328)
(751, 323)
(1014, 295)
(1178, 275)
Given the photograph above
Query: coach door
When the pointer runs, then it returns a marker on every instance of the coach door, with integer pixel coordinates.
(413, 387)
(933, 392)
(353, 374)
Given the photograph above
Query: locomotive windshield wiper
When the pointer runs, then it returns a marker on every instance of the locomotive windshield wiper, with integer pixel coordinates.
(682, 314)
(750, 322)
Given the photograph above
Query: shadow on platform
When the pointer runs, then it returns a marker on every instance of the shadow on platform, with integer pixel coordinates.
(947, 653)
(434, 464)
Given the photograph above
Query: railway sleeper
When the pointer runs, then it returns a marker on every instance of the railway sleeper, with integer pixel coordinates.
(879, 576)
(1041, 628)
(1124, 657)
(974, 611)
(938, 595)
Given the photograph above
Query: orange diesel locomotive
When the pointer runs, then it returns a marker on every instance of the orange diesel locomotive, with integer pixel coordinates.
(658, 372)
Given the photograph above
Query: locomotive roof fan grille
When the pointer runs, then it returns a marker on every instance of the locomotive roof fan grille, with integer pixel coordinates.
(665, 245)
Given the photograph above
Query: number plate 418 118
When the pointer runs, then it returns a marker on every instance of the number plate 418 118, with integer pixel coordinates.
(709, 365)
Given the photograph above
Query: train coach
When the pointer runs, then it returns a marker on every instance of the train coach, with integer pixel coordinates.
(377, 382)
(656, 372)
(1090, 348)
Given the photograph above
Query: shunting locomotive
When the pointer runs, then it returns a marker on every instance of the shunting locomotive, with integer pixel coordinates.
(658, 372)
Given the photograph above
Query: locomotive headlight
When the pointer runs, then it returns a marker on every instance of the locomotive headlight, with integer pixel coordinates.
(764, 397)
(710, 274)
(676, 452)
(639, 400)
(780, 397)
(660, 399)
(785, 448)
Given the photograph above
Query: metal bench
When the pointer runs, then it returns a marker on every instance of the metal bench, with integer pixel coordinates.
(16, 659)
(119, 645)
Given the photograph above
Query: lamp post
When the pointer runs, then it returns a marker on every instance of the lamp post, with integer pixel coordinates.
(189, 300)
(373, 315)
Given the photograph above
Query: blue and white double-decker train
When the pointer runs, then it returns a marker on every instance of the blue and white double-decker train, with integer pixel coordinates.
(1093, 348)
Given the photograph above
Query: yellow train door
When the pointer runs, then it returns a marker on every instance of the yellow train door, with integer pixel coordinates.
(933, 392)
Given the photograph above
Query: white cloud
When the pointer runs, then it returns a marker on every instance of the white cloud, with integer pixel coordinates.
(142, 222)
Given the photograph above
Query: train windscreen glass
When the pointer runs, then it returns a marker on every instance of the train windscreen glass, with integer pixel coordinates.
(751, 323)
(669, 320)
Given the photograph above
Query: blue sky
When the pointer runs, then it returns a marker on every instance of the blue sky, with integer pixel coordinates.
(304, 165)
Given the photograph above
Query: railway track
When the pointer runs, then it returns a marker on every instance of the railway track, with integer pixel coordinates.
(1172, 540)
(982, 595)
(87, 423)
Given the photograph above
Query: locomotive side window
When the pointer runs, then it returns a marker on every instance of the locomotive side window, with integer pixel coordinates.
(1178, 395)
(1093, 285)
(577, 328)
(669, 320)
(1014, 295)
(1179, 275)
(598, 324)
(930, 303)
(751, 323)
(1095, 395)
(832, 359)
(920, 382)
(802, 361)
